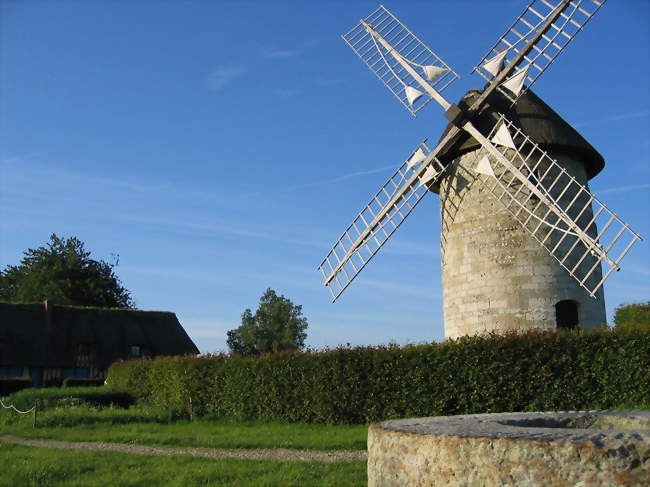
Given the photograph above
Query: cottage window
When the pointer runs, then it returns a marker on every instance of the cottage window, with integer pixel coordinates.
(566, 314)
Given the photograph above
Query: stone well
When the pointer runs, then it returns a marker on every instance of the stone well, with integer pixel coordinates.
(576, 448)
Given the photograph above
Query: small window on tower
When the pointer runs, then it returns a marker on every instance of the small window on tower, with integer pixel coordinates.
(136, 351)
(566, 314)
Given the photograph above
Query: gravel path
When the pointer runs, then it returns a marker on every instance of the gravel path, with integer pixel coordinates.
(281, 454)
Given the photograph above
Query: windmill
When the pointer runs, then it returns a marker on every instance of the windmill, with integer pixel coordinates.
(524, 241)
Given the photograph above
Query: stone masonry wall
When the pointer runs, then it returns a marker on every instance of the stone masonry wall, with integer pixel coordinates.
(496, 276)
(512, 450)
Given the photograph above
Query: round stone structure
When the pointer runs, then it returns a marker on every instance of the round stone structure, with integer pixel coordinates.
(577, 448)
(496, 276)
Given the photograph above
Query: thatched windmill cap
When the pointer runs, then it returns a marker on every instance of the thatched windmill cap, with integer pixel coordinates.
(539, 121)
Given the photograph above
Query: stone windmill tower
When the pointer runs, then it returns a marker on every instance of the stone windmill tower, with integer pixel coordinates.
(495, 274)
(523, 240)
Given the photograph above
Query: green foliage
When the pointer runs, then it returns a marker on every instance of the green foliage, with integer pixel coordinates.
(635, 315)
(52, 397)
(41, 467)
(277, 325)
(72, 412)
(570, 370)
(14, 384)
(63, 273)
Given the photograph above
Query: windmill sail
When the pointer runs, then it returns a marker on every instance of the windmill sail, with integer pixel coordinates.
(404, 44)
(579, 231)
(576, 228)
(534, 40)
(379, 219)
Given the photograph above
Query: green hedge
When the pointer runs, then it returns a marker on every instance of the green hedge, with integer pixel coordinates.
(536, 371)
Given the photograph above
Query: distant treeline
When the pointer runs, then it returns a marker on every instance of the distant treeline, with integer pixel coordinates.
(571, 370)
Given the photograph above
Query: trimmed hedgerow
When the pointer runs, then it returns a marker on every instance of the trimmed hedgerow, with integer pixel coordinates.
(535, 371)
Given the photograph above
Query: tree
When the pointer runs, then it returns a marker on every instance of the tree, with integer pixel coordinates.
(635, 315)
(63, 273)
(277, 325)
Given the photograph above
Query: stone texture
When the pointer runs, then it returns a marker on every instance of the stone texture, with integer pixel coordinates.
(596, 448)
(496, 276)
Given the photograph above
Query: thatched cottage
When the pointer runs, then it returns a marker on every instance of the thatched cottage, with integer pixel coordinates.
(50, 343)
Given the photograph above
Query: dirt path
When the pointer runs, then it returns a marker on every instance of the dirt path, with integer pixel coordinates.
(281, 454)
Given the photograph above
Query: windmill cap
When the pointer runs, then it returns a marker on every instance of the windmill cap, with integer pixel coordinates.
(535, 118)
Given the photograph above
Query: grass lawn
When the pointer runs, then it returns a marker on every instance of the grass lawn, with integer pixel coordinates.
(43, 467)
(85, 424)
(40, 467)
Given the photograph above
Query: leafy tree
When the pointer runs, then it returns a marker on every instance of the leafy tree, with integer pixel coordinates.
(63, 273)
(277, 325)
(635, 315)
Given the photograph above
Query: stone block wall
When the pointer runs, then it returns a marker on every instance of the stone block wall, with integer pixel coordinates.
(496, 276)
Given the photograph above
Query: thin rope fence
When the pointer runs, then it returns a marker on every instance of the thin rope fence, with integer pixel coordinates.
(11, 406)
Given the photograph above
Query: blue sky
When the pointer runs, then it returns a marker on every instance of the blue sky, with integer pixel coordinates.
(221, 147)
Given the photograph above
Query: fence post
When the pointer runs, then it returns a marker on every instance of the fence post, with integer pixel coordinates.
(35, 412)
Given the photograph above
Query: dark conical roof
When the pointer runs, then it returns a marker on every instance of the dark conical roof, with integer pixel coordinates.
(537, 120)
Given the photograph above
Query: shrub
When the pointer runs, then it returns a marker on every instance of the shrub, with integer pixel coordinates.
(65, 417)
(50, 398)
(636, 315)
(15, 384)
(526, 372)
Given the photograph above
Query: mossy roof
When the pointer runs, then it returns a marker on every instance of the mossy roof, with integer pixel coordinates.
(31, 339)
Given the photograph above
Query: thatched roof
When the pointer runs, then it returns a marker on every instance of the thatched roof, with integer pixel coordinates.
(44, 335)
(537, 120)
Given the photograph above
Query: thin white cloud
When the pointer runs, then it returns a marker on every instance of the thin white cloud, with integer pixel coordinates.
(219, 78)
(175, 274)
(428, 292)
(216, 228)
(35, 176)
(628, 293)
(21, 158)
(337, 179)
(402, 247)
(298, 49)
(638, 270)
(276, 274)
(281, 53)
(614, 118)
(626, 116)
(287, 92)
(328, 82)
(621, 189)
